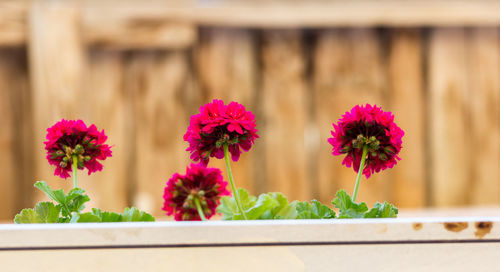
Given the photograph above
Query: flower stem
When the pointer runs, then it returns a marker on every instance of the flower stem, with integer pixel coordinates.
(360, 172)
(231, 180)
(199, 209)
(75, 169)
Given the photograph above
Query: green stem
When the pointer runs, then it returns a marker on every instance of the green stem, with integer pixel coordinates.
(231, 180)
(75, 169)
(200, 210)
(360, 173)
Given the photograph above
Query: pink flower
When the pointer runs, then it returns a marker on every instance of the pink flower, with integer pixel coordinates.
(218, 124)
(367, 125)
(69, 139)
(205, 184)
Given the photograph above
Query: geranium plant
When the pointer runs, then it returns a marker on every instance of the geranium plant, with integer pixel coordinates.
(72, 146)
(366, 135)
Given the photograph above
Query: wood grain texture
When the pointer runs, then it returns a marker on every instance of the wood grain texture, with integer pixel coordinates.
(407, 102)
(484, 99)
(227, 70)
(283, 245)
(13, 22)
(348, 70)
(159, 23)
(159, 81)
(284, 98)
(107, 104)
(57, 65)
(449, 131)
(413, 258)
(8, 193)
(119, 27)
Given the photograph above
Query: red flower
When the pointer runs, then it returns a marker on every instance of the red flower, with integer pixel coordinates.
(218, 124)
(69, 138)
(367, 125)
(205, 184)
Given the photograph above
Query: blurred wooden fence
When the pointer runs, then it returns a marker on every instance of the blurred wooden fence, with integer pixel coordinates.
(139, 69)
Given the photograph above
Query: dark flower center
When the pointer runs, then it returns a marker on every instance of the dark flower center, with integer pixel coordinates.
(369, 134)
(72, 146)
(219, 137)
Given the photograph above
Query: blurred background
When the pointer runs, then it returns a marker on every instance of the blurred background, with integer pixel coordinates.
(139, 69)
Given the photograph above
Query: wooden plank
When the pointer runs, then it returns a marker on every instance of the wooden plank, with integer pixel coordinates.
(484, 99)
(227, 70)
(284, 98)
(449, 136)
(111, 27)
(13, 22)
(159, 81)
(348, 70)
(436, 257)
(125, 24)
(57, 67)
(250, 233)
(8, 80)
(407, 103)
(108, 106)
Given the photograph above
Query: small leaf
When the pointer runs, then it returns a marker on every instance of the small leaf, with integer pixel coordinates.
(323, 211)
(288, 212)
(27, 216)
(314, 210)
(107, 216)
(88, 218)
(44, 212)
(264, 202)
(76, 199)
(47, 212)
(229, 209)
(385, 210)
(348, 208)
(135, 215)
(56, 195)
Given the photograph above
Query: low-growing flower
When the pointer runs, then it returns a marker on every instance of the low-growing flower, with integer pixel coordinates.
(371, 127)
(70, 140)
(218, 124)
(200, 184)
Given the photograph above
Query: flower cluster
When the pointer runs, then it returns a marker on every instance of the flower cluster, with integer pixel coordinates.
(217, 125)
(70, 141)
(200, 184)
(371, 127)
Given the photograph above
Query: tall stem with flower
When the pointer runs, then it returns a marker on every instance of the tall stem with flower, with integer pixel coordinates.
(221, 131)
(370, 140)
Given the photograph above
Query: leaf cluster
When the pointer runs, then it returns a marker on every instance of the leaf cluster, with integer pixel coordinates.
(69, 209)
(350, 209)
(276, 206)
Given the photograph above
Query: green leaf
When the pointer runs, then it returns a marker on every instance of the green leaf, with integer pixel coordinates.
(88, 218)
(287, 212)
(135, 215)
(56, 195)
(267, 206)
(283, 210)
(47, 212)
(44, 212)
(314, 210)
(27, 216)
(107, 216)
(385, 210)
(264, 203)
(229, 209)
(348, 208)
(76, 199)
